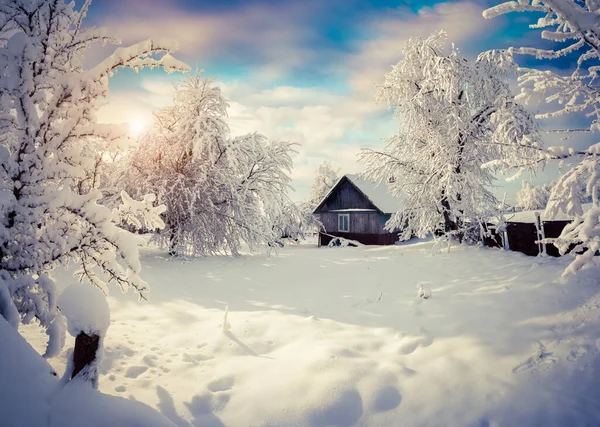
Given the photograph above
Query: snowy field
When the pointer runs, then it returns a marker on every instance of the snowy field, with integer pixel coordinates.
(338, 337)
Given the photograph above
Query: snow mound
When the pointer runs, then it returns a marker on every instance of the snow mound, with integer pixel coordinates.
(26, 380)
(340, 242)
(80, 405)
(86, 310)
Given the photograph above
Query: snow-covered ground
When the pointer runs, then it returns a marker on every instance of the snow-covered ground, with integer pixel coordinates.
(338, 337)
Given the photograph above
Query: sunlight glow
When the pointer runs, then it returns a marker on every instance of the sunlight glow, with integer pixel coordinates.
(137, 127)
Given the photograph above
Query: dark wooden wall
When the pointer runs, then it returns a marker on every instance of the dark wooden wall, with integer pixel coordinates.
(360, 222)
(345, 196)
(522, 236)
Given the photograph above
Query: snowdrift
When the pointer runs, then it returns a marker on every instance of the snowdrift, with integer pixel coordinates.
(342, 338)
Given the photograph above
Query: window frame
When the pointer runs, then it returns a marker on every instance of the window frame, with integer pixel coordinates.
(340, 229)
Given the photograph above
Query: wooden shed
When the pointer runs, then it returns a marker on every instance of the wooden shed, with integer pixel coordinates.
(356, 209)
(524, 230)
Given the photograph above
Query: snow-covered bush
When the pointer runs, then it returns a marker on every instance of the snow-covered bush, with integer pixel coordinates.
(456, 116)
(424, 292)
(531, 197)
(575, 24)
(219, 190)
(48, 101)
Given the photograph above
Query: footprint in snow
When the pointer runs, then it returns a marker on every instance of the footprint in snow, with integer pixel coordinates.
(410, 344)
(344, 410)
(150, 360)
(576, 354)
(135, 371)
(194, 359)
(222, 384)
(386, 399)
(541, 358)
(120, 389)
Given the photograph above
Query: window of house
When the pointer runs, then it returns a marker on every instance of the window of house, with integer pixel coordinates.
(343, 222)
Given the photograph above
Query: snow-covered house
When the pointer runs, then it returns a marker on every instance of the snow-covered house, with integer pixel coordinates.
(356, 209)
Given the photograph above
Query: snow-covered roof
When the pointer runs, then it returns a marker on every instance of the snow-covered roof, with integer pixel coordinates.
(378, 194)
(529, 216)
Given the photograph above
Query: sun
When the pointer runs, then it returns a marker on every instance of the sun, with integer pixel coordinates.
(137, 127)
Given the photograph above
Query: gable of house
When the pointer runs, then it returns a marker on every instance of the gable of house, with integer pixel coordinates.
(353, 192)
(345, 196)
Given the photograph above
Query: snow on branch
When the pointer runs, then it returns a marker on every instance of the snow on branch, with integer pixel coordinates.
(139, 56)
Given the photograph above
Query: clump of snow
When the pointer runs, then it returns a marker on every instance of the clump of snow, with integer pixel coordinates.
(86, 310)
(226, 324)
(56, 337)
(424, 292)
(340, 242)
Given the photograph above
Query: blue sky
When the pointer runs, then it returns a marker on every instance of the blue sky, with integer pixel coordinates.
(303, 71)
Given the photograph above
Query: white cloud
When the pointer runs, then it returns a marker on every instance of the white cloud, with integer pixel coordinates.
(329, 126)
(273, 37)
(374, 57)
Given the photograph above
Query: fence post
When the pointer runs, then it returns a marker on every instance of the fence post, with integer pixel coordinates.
(540, 234)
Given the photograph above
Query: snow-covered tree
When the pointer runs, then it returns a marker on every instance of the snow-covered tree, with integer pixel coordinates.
(48, 101)
(456, 116)
(219, 190)
(325, 178)
(531, 197)
(295, 222)
(575, 25)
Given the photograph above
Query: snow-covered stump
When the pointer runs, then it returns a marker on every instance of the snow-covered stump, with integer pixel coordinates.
(88, 318)
(85, 352)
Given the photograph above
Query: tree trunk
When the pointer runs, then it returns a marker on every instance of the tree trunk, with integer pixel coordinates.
(172, 239)
(449, 224)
